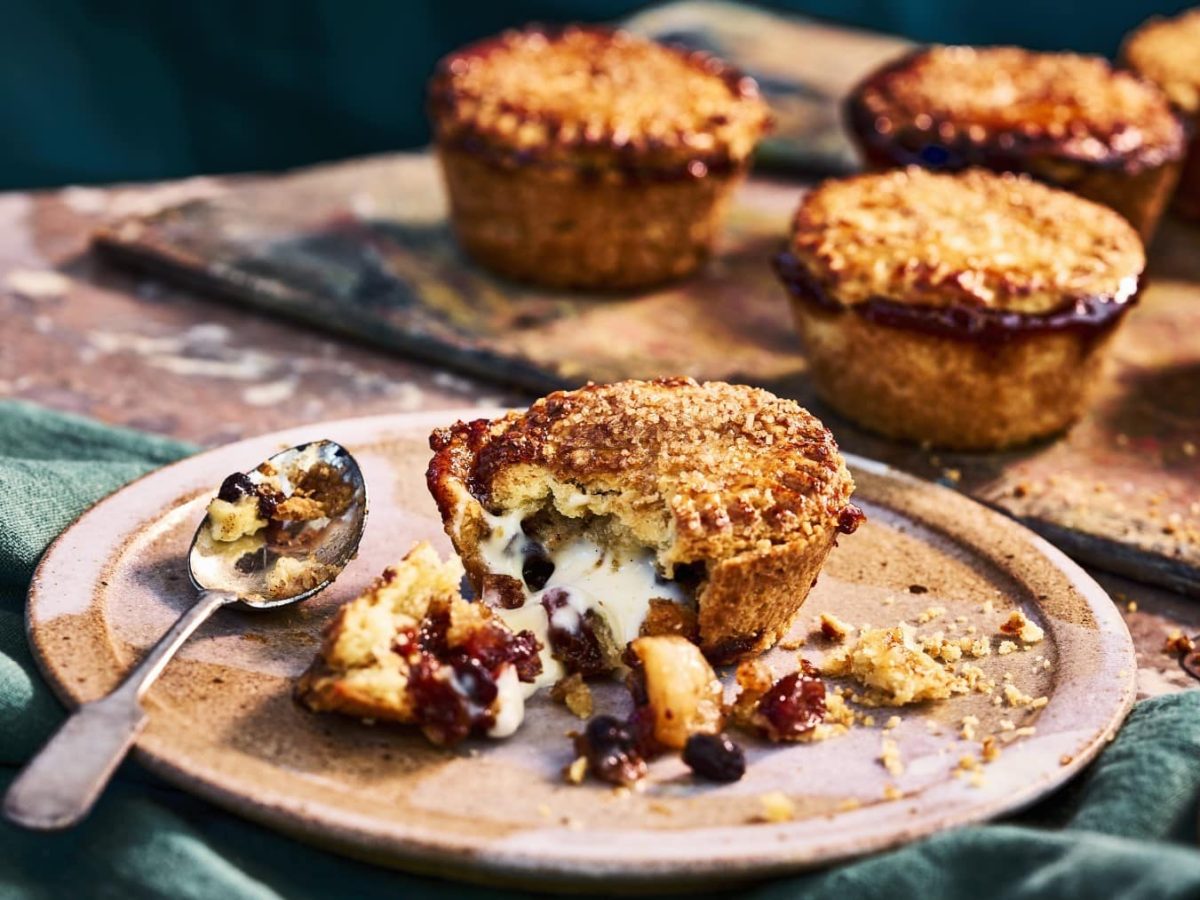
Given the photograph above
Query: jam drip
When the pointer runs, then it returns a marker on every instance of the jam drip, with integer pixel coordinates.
(454, 687)
(1086, 316)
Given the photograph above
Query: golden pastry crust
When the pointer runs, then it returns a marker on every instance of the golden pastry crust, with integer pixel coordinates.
(907, 281)
(587, 158)
(589, 97)
(1077, 107)
(1167, 52)
(552, 228)
(410, 649)
(980, 239)
(1069, 120)
(358, 671)
(745, 487)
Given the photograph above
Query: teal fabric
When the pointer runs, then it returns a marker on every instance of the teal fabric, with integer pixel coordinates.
(1126, 829)
(142, 89)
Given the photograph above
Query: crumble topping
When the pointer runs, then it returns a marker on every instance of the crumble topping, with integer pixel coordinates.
(975, 238)
(1069, 105)
(1167, 51)
(587, 93)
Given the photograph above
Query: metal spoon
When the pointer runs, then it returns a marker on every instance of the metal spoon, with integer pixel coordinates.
(61, 784)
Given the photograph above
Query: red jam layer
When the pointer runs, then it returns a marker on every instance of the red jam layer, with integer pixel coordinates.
(1085, 316)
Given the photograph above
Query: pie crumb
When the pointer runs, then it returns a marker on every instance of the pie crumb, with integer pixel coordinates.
(1018, 624)
(575, 772)
(889, 756)
(776, 807)
(833, 627)
(1178, 642)
(574, 693)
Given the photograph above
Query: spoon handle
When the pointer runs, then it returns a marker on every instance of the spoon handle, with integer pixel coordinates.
(61, 783)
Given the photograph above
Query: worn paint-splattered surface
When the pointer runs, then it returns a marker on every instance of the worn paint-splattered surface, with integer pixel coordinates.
(364, 248)
(82, 336)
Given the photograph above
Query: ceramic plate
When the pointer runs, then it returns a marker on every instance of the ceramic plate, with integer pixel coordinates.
(224, 726)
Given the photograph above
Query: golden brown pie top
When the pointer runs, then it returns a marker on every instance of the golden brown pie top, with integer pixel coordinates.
(1067, 105)
(974, 238)
(1167, 51)
(585, 94)
(703, 471)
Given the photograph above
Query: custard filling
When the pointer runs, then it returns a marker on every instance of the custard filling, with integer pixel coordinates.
(584, 599)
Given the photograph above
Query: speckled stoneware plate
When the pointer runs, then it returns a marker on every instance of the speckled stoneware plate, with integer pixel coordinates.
(223, 723)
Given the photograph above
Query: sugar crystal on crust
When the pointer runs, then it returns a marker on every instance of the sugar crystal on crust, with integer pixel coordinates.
(975, 238)
(589, 93)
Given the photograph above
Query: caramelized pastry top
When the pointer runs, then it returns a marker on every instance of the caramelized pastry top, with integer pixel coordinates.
(699, 471)
(587, 95)
(1167, 51)
(974, 238)
(1019, 101)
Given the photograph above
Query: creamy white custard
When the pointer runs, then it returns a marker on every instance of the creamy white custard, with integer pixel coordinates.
(616, 586)
(509, 704)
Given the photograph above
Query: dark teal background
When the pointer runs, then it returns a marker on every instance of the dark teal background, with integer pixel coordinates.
(106, 90)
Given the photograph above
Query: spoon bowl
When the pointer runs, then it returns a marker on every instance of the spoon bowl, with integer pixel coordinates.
(320, 546)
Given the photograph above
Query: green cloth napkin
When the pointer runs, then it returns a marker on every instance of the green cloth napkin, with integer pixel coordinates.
(1126, 829)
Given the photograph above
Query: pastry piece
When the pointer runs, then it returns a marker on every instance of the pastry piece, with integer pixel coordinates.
(1167, 52)
(1068, 120)
(574, 517)
(410, 649)
(587, 158)
(967, 310)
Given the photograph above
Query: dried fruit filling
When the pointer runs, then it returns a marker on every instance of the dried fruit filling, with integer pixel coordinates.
(793, 706)
(455, 688)
(612, 751)
(584, 598)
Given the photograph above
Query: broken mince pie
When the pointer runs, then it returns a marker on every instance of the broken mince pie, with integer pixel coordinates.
(410, 649)
(643, 508)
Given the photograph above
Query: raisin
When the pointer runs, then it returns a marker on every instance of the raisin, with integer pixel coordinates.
(538, 567)
(792, 706)
(611, 750)
(432, 636)
(495, 647)
(249, 563)
(502, 591)
(582, 644)
(441, 710)
(850, 518)
(474, 679)
(525, 656)
(690, 575)
(268, 501)
(714, 757)
(235, 487)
